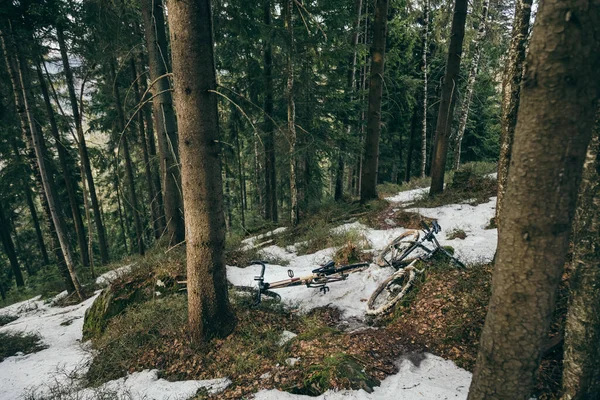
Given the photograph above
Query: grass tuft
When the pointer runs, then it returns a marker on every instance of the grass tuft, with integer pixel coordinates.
(12, 343)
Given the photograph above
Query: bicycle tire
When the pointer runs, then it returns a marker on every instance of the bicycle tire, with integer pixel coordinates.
(391, 253)
(252, 290)
(384, 297)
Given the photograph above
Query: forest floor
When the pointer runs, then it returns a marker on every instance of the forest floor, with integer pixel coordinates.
(309, 344)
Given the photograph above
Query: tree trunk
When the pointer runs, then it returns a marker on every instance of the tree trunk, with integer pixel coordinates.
(339, 178)
(152, 194)
(69, 184)
(291, 111)
(368, 190)
(270, 170)
(9, 248)
(9, 48)
(448, 98)
(150, 143)
(31, 205)
(425, 76)
(195, 85)
(556, 116)
(240, 170)
(414, 123)
(581, 365)
(81, 145)
(124, 142)
(55, 212)
(164, 117)
(464, 110)
(124, 232)
(511, 89)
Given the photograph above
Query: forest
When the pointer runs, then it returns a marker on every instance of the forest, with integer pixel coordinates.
(163, 163)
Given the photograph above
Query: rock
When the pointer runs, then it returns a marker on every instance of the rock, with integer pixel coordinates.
(285, 337)
(292, 361)
(266, 375)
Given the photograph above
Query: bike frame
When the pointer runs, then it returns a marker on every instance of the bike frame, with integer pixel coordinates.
(430, 237)
(320, 277)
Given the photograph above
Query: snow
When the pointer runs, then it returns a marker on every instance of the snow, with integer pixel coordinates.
(147, 385)
(427, 379)
(408, 196)
(67, 357)
(105, 279)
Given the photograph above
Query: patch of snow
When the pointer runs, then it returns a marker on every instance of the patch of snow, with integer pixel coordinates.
(285, 337)
(67, 358)
(146, 385)
(480, 243)
(251, 242)
(106, 278)
(430, 378)
(408, 196)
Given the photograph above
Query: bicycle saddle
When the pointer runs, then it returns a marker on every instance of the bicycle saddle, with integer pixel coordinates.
(328, 266)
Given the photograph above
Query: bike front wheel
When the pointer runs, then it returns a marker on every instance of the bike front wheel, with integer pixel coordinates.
(397, 250)
(252, 292)
(391, 290)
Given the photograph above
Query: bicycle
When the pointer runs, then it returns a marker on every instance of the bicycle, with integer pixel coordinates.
(319, 278)
(390, 291)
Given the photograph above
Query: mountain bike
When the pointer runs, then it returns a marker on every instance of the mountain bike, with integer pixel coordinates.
(319, 278)
(396, 254)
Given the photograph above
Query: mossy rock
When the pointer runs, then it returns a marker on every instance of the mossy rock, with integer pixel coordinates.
(335, 371)
(135, 288)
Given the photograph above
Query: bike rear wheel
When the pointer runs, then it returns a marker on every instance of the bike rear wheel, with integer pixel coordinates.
(395, 252)
(391, 290)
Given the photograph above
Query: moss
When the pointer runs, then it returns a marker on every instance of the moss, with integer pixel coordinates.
(337, 370)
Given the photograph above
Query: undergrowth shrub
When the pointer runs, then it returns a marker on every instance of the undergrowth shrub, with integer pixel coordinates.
(12, 343)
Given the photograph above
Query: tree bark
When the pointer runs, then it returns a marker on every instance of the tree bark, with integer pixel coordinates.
(81, 145)
(124, 143)
(368, 190)
(425, 76)
(511, 89)
(164, 117)
(291, 111)
(37, 140)
(195, 85)
(9, 248)
(581, 365)
(69, 184)
(554, 126)
(473, 71)
(270, 169)
(448, 98)
(152, 193)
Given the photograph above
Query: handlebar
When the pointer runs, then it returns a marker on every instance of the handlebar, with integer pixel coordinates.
(435, 227)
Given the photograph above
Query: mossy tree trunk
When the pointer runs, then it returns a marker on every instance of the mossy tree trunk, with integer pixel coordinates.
(554, 126)
(164, 117)
(448, 98)
(581, 366)
(368, 189)
(209, 312)
(511, 89)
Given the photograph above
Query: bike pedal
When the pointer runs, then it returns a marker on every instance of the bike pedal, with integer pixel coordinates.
(324, 289)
